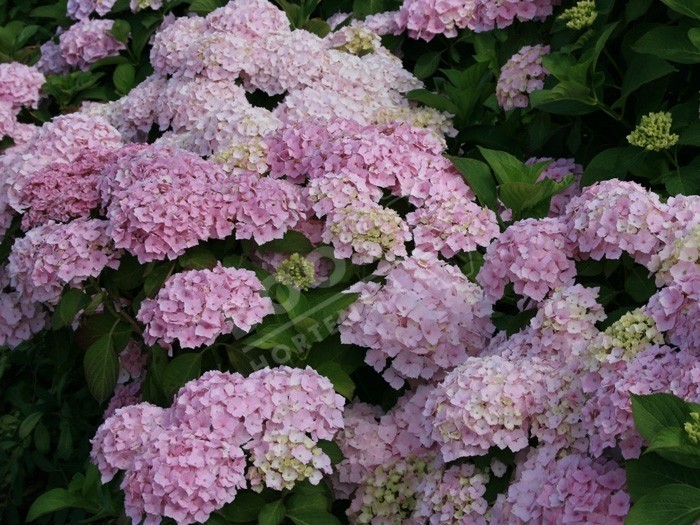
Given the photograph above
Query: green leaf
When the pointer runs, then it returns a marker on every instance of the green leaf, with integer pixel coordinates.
(197, 258)
(71, 303)
(427, 64)
(677, 182)
(101, 368)
(668, 42)
(204, 7)
(244, 508)
(638, 284)
(651, 472)
(332, 450)
(56, 11)
(292, 242)
(318, 27)
(506, 167)
(643, 69)
(28, 424)
(307, 502)
(471, 264)
(342, 382)
(613, 163)
(566, 98)
(156, 278)
(51, 501)
(478, 176)
(179, 371)
(120, 30)
(689, 8)
(674, 445)
(669, 505)
(277, 335)
(124, 77)
(655, 412)
(519, 196)
(312, 518)
(362, 8)
(690, 136)
(433, 100)
(272, 513)
(129, 274)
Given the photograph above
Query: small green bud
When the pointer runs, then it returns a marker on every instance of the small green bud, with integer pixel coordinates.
(654, 132)
(580, 16)
(297, 272)
(692, 428)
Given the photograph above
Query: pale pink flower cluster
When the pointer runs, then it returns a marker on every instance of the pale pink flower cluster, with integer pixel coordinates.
(427, 18)
(19, 318)
(187, 461)
(82, 44)
(161, 201)
(608, 412)
(52, 256)
(453, 496)
(366, 232)
(82, 9)
(481, 403)
(20, 85)
(267, 208)
(556, 171)
(63, 140)
(427, 318)
(19, 132)
(196, 306)
(450, 223)
(522, 74)
(63, 191)
(535, 255)
(571, 489)
(615, 216)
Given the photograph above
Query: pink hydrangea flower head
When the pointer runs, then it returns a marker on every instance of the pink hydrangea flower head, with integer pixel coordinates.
(335, 191)
(481, 403)
(51, 61)
(522, 74)
(183, 477)
(284, 457)
(52, 256)
(123, 436)
(428, 317)
(297, 398)
(534, 254)
(366, 232)
(82, 9)
(675, 313)
(608, 413)
(19, 319)
(124, 395)
(161, 201)
(453, 495)
(425, 19)
(616, 216)
(572, 489)
(267, 208)
(63, 191)
(251, 18)
(388, 494)
(450, 224)
(196, 306)
(20, 85)
(88, 41)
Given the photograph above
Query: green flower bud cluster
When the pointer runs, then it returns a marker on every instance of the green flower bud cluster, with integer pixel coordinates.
(390, 492)
(296, 272)
(654, 132)
(627, 336)
(360, 43)
(692, 428)
(580, 16)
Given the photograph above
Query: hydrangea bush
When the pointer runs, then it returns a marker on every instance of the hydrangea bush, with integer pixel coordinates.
(320, 262)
